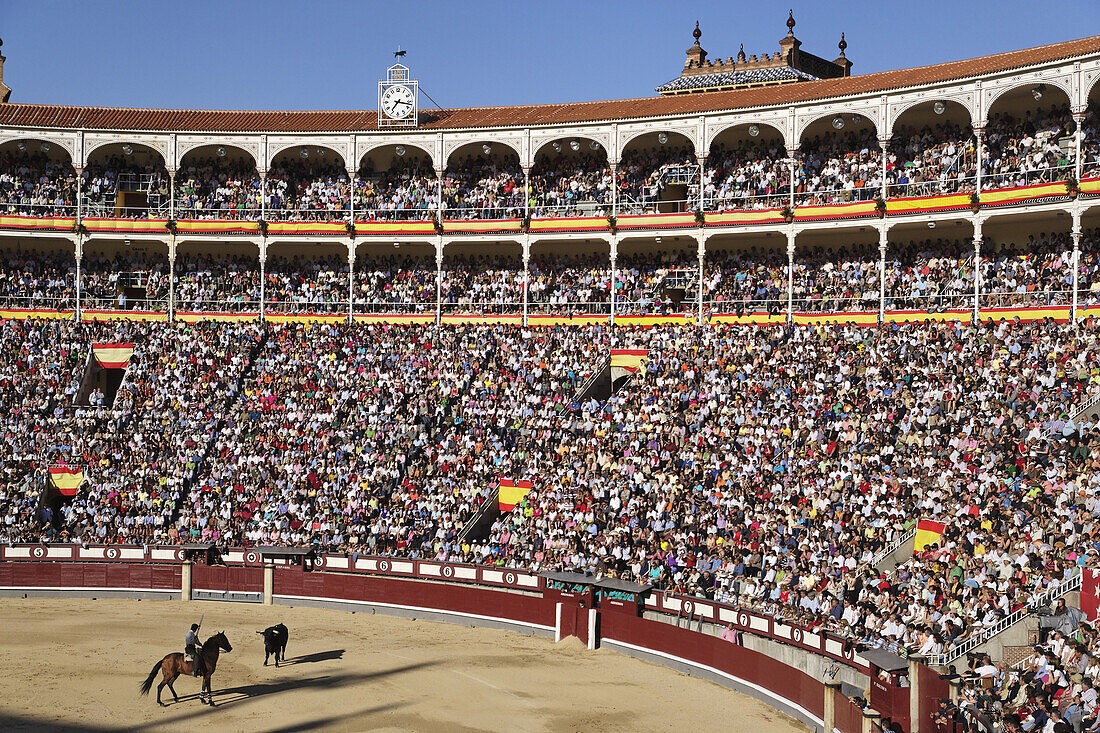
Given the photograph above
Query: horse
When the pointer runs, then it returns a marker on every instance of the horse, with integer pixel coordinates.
(173, 665)
(275, 638)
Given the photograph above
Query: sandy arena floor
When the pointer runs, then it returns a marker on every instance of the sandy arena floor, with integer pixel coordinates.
(345, 672)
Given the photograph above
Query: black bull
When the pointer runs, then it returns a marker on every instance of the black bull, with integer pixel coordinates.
(275, 638)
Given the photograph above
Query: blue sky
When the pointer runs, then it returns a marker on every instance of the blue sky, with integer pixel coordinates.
(320, 54)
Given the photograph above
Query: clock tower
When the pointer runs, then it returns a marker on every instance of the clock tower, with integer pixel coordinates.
(397, 98)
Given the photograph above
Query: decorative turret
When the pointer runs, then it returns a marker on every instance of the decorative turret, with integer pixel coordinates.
(842, 61)
(696, 55)
(789, 64)
(5, 90)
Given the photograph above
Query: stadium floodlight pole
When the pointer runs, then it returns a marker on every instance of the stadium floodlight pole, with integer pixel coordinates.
(883, 242)
(1076, 234)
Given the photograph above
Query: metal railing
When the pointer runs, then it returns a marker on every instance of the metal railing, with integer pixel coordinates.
(742, 201)
(1014, 178)
(45, 302)
(654, 205)
(831, 304)
(37, 209)
(204, 305)
(364, 307)
(482, 309)
(588, 207)
(384, 213)
(1034, 298)
(978, 638)
(312, 307)
(575, 308)
(938, 187)
(122, 304)
(468, 213)
(309, 214)
(836, 195)
(903, 537)
(197, 211)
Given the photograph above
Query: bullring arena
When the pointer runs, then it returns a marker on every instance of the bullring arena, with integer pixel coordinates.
(766, 402)
(75, 664)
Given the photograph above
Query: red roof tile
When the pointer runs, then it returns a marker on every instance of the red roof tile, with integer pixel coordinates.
(171, 120)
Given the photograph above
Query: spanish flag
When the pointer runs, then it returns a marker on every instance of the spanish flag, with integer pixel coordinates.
(511, 493)
(627, 361)
(113, 356)
(927, 533)
(66, 480)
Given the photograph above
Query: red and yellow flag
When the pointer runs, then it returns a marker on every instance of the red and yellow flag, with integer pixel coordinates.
(66, 480)
(113, 356)
(511, 493)
(627, 361)
(927, 533)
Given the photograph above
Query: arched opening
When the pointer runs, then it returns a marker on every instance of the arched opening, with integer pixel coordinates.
(218, 182)
(217, 278)
(125, 180)
(395, 278)
(930, 267)
(839, 161)
(484, 180)
(656, 275)
(746, 169)
(1090, 142)
(307, 183)
(482, 278)
(1026, 261)
(571, 177)
(746, 275)
(570, 278)
(658, 173)
(39, 181)
(396, 183)
(37, 274)
(131, 275)
(1029, 138)
(932, 151)
(836, 271)
(309, 278)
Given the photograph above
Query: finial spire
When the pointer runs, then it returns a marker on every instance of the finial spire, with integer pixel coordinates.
(741, 54)
(790, 24)
(696, 34)
(842, 45)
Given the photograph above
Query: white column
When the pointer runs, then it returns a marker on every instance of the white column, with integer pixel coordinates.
(883, 243)
(977, 267)
(439, 195)
(979, 132)
(269, 583)
(352, 175)
(526, 275)
(614, 190)
(172, 277)
(1076, 233)
(614, 257)
(79, 257)
(263, 275)
(702, 172)
(792, 156)
(185, 580)
(171, 194)
(351, 280)
(884, 143)
(79, 194)
(439, 280)
(1078, 139)
(263, 195)
(916, 661)
(526, 192)
(702, 266)
(790, 273)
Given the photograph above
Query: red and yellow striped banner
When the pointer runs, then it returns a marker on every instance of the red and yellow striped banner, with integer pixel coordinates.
(306, 317)
(685, 319)
(736, 218)
(461, 319)
(511, 493)
(66, 480)
(217, 226)
(89, 315)
(113, 356)
(570, 224)
(396, 318)
(759, 318)
(329, 228)
(1089, 187)
(927, 533)
(835, 211)
(126, 226)
(1024, 194)
(1060, 313)
(35, 223)
(371, 226)
(21, 314)
(199, 316)
(482, 226)
(657, 221)
(860, 318)
(917, 316)
(927, 204)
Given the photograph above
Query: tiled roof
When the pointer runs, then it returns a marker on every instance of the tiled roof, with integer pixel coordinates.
(169, 120)
(736, 78)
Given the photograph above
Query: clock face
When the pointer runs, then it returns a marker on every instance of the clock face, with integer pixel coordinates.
(398, 102)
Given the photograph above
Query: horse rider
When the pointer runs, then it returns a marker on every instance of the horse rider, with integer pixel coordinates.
(193, 650)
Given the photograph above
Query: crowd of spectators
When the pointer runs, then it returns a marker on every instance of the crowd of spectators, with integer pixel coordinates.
(313, 188)
(39, 279)
(218, 188)
(1037, 147)
(838, 168)
(571, 185)
(483, 187)
(404, 191)
(217, 282)
(124, 281)
(931, 160)
(395, 283)
(313, 284)
(752, 175)
(645, 175)
(33, 184)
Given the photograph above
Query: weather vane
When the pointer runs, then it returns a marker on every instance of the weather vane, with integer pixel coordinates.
(398, 53)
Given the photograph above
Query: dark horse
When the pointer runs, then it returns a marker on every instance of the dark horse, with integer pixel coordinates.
(173, 665)
(275, 638)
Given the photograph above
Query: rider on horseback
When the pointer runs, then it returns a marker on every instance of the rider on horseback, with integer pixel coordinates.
(193, 650)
